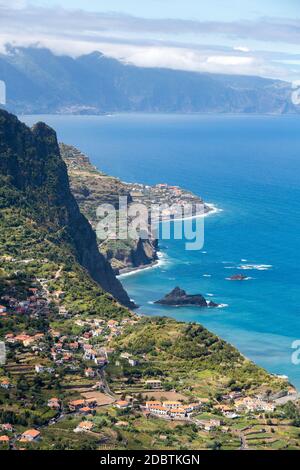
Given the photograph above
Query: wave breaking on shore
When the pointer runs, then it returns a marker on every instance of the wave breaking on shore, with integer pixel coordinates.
(162, 256)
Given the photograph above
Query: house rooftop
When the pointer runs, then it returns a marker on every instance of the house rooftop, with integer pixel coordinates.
(178, 410)
(169, 402)
(122, 403)
(31, 433)
(77, 402)
(86, 425)
(159, 407)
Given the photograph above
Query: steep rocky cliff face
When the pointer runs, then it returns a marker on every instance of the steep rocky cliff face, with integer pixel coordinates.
(91, 188)
(34, 177)
(128, 255)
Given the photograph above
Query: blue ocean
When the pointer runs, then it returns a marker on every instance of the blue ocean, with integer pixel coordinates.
(248, 166)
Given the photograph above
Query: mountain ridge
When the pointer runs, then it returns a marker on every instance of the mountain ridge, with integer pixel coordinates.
(39, 81)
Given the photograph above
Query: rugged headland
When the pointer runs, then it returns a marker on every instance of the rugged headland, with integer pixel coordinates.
(91, 188)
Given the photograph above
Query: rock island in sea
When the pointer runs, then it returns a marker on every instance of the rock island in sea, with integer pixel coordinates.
(179, 298)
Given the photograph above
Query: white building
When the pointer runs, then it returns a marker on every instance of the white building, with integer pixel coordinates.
(154, 384)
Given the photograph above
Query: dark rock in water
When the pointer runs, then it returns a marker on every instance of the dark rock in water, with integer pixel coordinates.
(179, 298)
(237, 277)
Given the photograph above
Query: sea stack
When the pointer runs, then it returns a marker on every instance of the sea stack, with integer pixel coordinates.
(179, 298)
(237, 277)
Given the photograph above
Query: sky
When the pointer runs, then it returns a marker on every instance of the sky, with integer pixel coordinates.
(252, 37)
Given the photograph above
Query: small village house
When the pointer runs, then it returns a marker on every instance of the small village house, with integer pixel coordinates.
(132, 362)
(171, 405)
(149, 404)
(178, 413)
(122, 404)
(30, 435)
(192, 407)
(7, 427)
(89, 372)
(86, 410)
(54, 403)
(84, 426)
(5, 383)
(159, 410)
(75, 405)
(211, 424)
(153, 384)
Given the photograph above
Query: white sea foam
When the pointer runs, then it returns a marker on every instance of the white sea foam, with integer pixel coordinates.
(218, 306)
(206, 275)
(257, 267)
(162, 257)
(249, 267)
(214, 210)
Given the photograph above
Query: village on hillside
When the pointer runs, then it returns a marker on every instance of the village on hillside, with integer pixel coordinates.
(69, 363)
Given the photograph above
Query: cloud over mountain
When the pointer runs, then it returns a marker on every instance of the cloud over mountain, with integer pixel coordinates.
(155, 42)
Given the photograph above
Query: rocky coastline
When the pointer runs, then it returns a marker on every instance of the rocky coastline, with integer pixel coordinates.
(91, 187)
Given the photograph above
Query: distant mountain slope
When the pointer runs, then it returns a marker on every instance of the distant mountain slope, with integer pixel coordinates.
(38, 213)
(40, 82)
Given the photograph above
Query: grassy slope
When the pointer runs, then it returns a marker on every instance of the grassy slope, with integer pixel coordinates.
(22, 239)
(192, 359)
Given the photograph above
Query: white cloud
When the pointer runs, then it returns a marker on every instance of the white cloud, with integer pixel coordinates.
(190, 60)
(13, 4)
(134, 40)
(231, 60)
(172, 57)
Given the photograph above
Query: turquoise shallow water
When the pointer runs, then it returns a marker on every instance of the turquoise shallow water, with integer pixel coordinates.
(249, 167)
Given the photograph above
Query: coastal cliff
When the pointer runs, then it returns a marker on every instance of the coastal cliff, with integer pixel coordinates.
(91, 188)
(34, 180)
